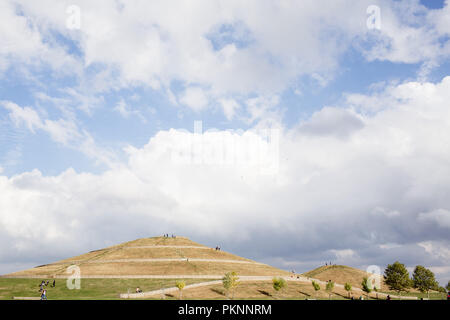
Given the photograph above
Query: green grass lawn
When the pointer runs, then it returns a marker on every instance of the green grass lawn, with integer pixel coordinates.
(92, 289)
(99, 289)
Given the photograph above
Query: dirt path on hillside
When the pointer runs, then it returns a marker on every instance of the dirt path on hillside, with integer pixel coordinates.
(168, 246)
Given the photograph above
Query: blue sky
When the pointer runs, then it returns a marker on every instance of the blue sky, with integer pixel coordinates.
(94, 97)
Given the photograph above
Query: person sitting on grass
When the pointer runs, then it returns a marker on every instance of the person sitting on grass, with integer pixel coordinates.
(138, 290)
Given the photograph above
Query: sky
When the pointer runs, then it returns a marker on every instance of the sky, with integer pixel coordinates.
(289, 132)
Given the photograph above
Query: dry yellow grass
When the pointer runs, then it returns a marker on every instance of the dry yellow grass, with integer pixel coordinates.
(339, 274)
(86, 256)
(178, 241)
(177, 268)
(43, 270)
(160, 252)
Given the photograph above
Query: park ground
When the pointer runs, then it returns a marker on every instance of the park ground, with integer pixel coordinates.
(108, 289)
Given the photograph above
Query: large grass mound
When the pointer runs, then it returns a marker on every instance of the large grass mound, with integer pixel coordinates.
(157, 256)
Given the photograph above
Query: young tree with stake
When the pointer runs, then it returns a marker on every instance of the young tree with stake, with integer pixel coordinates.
(180, 284)
(230, 282)
(278, 284)
(316, 286)
(329, 288)
(366, 287)
(348, 288)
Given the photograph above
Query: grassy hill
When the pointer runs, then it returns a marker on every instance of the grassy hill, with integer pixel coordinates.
(341, 274)
(158, 256)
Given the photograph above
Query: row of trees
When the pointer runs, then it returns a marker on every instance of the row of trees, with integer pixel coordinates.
(396, 277)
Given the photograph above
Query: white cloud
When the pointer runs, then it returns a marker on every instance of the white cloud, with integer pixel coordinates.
(437, 249)
(332, 121)
(195, 98)
(64, 131)
(126, 111)
(229, 107)
(263, 108)
(24, 115)
(227, 49)
(344, 254)
(121, 107)
(23, 42)
(441, 217)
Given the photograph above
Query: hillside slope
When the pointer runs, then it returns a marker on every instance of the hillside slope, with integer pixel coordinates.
(158, 256)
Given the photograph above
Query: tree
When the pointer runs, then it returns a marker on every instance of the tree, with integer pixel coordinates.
(180, 284)
(448, 286)
(230, 282)
(278, 284)
(329, 288)
(397, 277)
(423, 279)
(316, 286)
(348, 288)
(366, 287)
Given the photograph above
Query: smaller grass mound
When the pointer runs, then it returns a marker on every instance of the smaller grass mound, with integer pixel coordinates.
(341, 274)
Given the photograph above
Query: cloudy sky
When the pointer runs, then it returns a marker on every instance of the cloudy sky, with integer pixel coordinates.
(290, 132)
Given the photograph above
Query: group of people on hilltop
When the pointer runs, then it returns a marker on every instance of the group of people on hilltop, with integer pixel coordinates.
(42, 290)
(217, 248)
(166, 235)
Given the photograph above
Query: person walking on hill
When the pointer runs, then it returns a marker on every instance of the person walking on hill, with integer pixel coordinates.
(44, 295)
